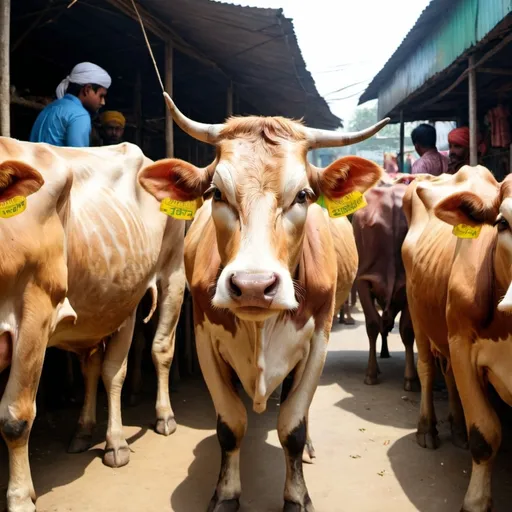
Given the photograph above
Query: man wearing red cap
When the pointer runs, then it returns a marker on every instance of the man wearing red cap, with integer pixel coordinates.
(458, 140)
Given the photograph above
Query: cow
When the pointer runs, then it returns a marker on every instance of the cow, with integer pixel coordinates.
(379, 230)
(85, 245)
(460, 298)
(265, 267)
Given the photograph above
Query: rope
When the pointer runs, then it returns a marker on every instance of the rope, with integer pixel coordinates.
(148, 45)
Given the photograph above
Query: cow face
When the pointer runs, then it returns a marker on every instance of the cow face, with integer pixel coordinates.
(261, 186)
(476, 210)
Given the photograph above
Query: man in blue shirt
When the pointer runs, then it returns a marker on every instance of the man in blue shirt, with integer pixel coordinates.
(67, 121)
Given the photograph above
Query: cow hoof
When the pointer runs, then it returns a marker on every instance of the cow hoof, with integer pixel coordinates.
(385, 355)
(80, 443)
(291, 506)
(481, 505)
(231, 505)
(412, 385)
(116, 458)
(165, 427)
(427, 440)
(349, 321)
(371, 381)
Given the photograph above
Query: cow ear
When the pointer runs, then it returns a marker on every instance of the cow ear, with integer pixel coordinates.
(174, 178)
(349, 174)
(465, 208)
(18, 179)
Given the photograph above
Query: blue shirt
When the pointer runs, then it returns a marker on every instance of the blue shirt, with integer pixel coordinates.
(64, 122)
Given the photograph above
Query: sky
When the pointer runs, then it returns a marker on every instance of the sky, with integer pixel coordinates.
(345, 43)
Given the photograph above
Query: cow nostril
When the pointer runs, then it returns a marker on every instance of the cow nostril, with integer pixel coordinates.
(271, 289)
(234, 289)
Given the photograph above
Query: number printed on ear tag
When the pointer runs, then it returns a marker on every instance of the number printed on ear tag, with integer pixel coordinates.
(181, 210)
(13, 207)
(465, 231)
(343, 206)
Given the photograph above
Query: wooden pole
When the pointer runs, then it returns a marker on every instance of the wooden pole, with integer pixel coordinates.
(402, 139)
(5, 77)
(473, 126)
(138, 108)
(169, 128)
(229, 100)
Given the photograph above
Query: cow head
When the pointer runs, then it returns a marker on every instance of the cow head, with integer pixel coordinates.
(261, 186)
(487, 207)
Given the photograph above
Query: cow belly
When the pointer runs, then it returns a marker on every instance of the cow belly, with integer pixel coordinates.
(263, 360)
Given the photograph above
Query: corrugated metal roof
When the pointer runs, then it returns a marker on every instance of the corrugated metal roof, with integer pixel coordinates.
(257, 48)
(443, 32)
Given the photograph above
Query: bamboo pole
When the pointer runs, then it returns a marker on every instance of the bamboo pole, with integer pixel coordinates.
(169, 128)
(5, 93)
(402, 139)
(473, 123)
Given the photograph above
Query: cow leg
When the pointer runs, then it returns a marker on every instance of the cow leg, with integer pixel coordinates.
(347, 318)
(172, 290)
(309, 453)
(18, 405)
(117, 452)
(373, 322)
(134, 370)
(411, 381)
(91, 370)
(457, 420)
(426, 434)
(231, 424)
(292, 425)
(353, 296)
(483, 426)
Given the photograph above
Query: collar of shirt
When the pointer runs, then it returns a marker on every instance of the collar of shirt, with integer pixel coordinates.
(74, 99)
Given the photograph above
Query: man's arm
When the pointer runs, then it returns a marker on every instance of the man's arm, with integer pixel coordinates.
(79, 132)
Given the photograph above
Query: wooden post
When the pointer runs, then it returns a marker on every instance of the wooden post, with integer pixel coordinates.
(138, 108)
(169, 129)
(229, 100)
(473, 123)
(402, 140)
(5, 77)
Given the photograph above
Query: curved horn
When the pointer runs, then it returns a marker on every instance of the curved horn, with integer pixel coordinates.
(330, 139)
(201, 131)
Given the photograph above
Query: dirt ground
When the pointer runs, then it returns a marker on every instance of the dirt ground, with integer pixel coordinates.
(367, 457)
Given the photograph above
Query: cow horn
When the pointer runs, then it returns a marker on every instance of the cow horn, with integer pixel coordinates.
(201, 131)
(330, 139)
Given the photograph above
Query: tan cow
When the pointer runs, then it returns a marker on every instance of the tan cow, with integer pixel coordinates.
(92, 235)
(264, 265)
(460, 295)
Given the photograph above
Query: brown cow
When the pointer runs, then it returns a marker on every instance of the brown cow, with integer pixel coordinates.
(74, 266)
(460, 297)
(379, 230)
(265, 266)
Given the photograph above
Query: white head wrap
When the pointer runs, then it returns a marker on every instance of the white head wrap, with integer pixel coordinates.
(83, 74)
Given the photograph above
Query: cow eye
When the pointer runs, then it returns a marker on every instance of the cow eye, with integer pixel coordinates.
(301, 197)
(502, 223)
(217, 194)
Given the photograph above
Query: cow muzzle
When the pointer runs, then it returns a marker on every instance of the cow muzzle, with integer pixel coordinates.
(253, 290)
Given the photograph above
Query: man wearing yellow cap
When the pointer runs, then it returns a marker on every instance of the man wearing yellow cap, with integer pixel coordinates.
(112, 127)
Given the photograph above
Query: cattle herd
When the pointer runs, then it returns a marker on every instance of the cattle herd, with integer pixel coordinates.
(268, 259)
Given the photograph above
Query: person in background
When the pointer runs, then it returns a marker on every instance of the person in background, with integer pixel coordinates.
(458, 140)
(112, 127)
(67, 121)
(431, 161)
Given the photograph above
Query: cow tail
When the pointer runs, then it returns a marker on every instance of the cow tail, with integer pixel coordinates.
(154, 301)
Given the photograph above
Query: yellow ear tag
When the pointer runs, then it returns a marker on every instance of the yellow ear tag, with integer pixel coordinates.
(465, 231)
(13, 207)
(343, 206)
(181, 210)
